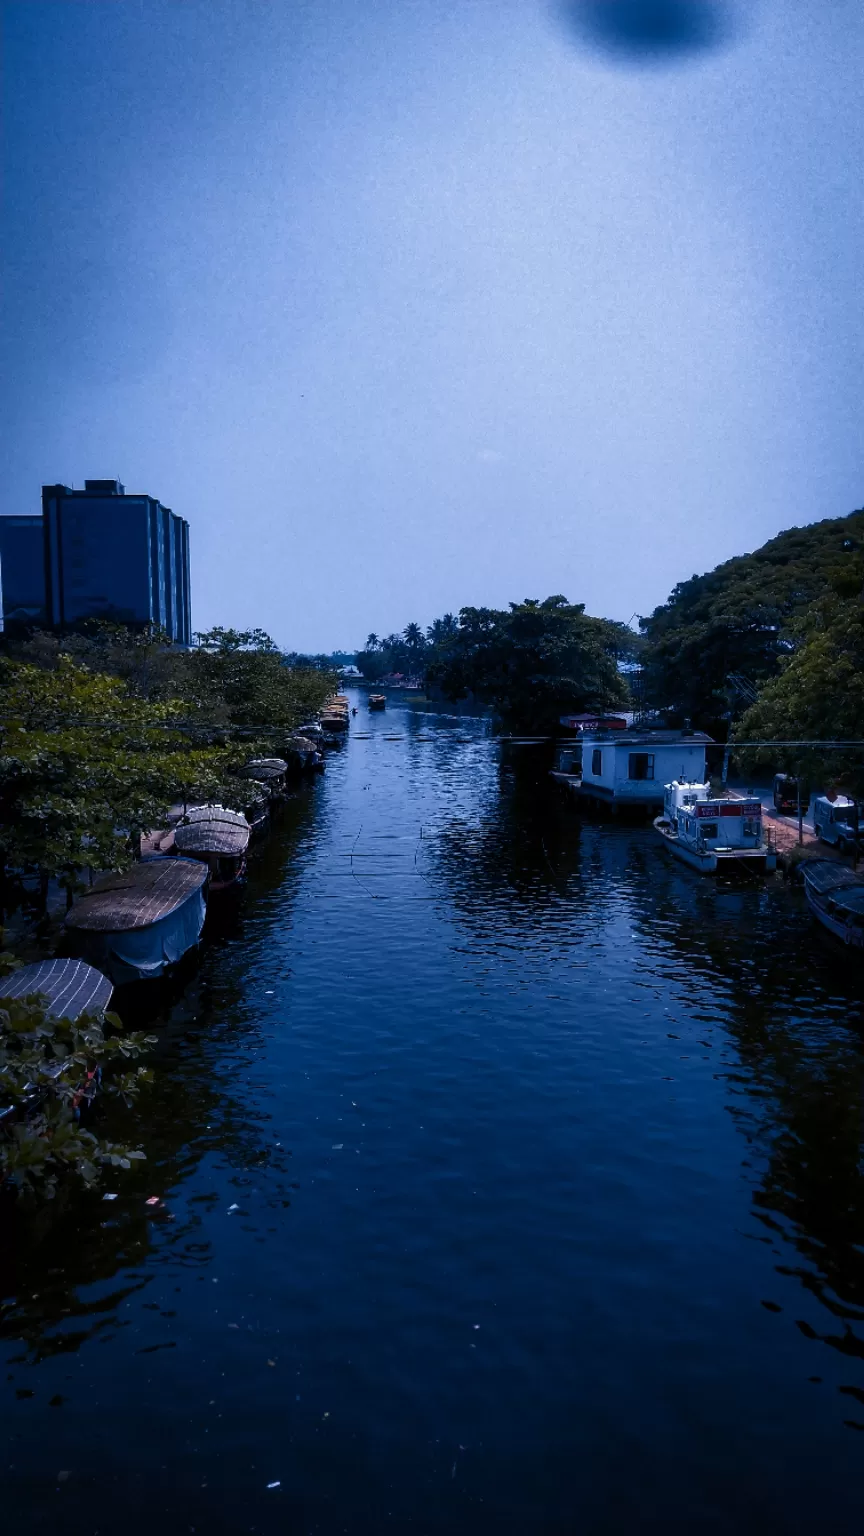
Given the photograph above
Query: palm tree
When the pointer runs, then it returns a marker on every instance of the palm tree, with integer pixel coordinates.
(372, 642)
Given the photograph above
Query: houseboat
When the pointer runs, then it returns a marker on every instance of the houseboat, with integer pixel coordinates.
(138, 924)
(835, 894)
(712, 835)
(66, 988)
(270, 773)
(631, 768)
(377, 701)
(219, 838)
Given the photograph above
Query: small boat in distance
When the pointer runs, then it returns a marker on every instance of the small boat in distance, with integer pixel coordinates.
(835, 895)
(377, 701)
(219, 838)
(711, 835)
(138, 924)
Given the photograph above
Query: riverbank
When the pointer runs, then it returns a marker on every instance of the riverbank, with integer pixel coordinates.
(452, 1021)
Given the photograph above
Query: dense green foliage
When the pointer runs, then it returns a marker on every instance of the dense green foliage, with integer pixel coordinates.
(102, 731)
(86, 768)
(741, 620)
(48, 1070)
(819, 694)
(533, 661)
(408, 654)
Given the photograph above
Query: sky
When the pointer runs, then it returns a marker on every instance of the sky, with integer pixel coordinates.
(425, 303)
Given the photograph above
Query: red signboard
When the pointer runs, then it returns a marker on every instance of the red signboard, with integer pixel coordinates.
(712, 808)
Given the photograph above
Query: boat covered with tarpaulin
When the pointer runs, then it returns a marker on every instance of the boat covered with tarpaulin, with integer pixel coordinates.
(138, 924)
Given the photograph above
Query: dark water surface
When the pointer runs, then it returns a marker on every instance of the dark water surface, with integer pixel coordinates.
(545, 1161)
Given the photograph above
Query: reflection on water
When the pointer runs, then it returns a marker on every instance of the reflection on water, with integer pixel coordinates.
(511, 1180)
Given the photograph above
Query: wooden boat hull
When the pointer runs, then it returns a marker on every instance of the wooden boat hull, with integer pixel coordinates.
(848, 934)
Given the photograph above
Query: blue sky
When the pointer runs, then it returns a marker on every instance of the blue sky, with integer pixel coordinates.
(420, 303)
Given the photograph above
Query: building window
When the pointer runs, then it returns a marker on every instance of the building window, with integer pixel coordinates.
(641, 765)
(596, 762)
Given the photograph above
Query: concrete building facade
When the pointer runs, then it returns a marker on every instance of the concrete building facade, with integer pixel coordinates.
(22, 559)
(109, 555)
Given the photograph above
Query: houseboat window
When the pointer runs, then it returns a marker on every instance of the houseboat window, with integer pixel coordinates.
(597, 761)
(752, 826)
(641, 765)
(709, 828)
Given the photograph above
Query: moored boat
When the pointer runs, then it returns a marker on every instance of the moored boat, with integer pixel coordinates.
(714, 835)
(138, 924)
(270, 772)
(66, 988)
(835, 895)
(219, 838)
(377, 701)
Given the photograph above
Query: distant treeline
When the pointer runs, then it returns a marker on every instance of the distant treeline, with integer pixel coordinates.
(768, 646)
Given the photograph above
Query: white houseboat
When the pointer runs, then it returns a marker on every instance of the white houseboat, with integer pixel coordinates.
(633, 767)
(714, 834)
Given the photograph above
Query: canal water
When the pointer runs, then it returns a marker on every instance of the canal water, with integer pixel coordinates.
(511, 1182)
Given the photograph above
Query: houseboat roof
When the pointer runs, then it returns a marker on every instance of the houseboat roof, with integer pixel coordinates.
(68, 987)
(213, 829)
(631, 738)
(264, 768)
(150, 890)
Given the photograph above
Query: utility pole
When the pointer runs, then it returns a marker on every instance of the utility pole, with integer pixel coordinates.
(800, 809)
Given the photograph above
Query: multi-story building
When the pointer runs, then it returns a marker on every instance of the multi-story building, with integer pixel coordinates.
(112, 556)
(22, 559)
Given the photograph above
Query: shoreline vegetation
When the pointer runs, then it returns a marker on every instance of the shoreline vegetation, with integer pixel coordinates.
(102, 731)
(767, 646)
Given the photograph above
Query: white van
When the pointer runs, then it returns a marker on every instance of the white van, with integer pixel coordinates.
(836, 821)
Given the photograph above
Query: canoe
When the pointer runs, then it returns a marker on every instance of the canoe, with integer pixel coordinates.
(377, 701)
(136, 925)
(67, 988)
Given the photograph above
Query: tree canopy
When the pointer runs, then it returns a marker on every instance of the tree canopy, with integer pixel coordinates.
(533, 661)
(818, 696)
(722, 634)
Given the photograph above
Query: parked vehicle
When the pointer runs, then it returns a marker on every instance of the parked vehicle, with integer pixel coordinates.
(838, 822)
(836, 897)
(786, 792)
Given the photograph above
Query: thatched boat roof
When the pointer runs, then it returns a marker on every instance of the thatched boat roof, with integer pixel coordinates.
(265, 768)
(150, 890)
(67, 987)
(212, 829)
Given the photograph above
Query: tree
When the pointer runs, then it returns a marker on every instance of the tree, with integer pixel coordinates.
(818, 696)
(86, 768)
(740, 619)
(48, 1069)
(534, 662)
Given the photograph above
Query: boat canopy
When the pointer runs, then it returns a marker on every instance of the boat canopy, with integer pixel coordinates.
(828, 877)
(263, 769)
(68, 988)
(213, 829)
(140, 896)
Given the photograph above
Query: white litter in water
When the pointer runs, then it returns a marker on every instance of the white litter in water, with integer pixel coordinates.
(233, 1208)
(274, 1485)
(337, 1146)
(109, 1197)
